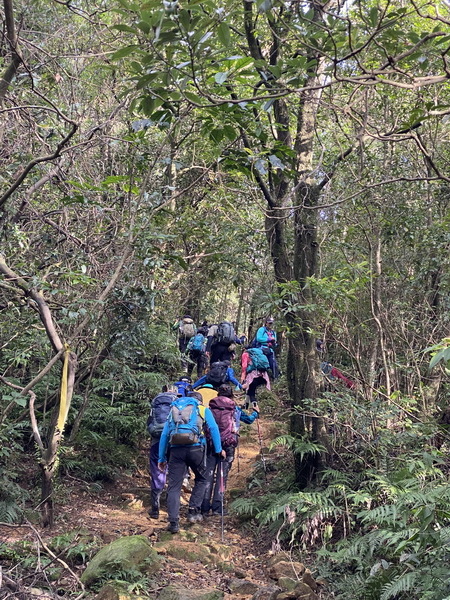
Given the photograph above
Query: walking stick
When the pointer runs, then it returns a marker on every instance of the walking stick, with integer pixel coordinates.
(222, 494)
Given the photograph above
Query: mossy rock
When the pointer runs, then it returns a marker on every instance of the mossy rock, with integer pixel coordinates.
(188, 535)
(304, 592)
(267, 592)
(286, 568)
(115, 591)
(226, 567)
(188, 551)
(172, 592)
(132, 552)
(287, 583)
(242, 587)
(220, 550)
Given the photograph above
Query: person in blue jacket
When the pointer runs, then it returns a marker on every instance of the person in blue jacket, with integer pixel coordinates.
(266, 338)
(191, 456)
(229, 377)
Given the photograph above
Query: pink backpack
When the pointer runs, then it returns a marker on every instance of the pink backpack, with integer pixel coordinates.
(224, 413)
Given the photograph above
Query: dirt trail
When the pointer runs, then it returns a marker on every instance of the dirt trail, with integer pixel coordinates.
(196, 558)
(121, 510)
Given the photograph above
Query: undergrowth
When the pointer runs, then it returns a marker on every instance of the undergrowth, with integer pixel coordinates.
(375, 522)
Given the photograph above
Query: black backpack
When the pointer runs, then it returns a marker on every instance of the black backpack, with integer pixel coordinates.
(225, 333)
(160, 410)
(217, 374)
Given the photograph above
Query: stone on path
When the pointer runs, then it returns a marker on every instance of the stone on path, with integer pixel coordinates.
(131, 552)
(243, 587)
(172, 592)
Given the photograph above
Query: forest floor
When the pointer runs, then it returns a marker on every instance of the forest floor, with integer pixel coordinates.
(121, 510)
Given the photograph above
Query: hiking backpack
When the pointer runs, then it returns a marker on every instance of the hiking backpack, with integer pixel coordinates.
(198, 343)
(259, 362)
(183, 386)
(160, 410)
(217, 373)
(187, 328)
(185, 422)
(226, 417)
(225, 333)
(254, 343)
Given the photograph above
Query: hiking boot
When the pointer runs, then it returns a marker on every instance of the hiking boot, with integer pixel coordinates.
(194, 516)
(173, 527)
(218, 513)
(153, 513)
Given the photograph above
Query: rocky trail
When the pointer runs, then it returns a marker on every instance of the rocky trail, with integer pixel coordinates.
(201, 562)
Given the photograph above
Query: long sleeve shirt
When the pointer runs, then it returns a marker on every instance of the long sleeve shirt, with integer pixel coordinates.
(266, 337)
(209, 422)
(230, 377)
(244, 417)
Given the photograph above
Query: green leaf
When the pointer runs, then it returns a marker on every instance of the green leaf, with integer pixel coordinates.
(125, 51)
(144, 26)
(122, 27)
(230, 132)
(144, 81)
(193, 97)
(223, 33)
(437, 358)
(373, 16)
(220, 78)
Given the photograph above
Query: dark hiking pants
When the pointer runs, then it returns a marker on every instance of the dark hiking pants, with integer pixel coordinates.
(251, 392)
(199, 359)
(213, 495)
(180, 458)
(220, 352)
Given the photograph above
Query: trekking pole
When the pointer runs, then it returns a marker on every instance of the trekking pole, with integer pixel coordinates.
(222, 494)
(263, 459)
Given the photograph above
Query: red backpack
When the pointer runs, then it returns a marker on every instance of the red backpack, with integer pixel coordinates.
(224, 413)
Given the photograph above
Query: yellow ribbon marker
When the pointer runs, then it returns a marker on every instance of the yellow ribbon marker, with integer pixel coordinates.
(63, 404)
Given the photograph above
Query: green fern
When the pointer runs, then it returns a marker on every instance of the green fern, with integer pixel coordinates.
(244, 507)
(404, 583)
(301, 446)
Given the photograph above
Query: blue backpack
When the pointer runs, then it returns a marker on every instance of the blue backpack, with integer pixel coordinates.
(160, 410)
(198, 342)
(183, 386)
(185, 422)
(260, 361)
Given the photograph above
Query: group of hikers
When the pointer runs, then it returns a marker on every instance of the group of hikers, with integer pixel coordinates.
(186, 434)
(195, 426)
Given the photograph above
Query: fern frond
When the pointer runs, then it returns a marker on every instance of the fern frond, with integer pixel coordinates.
(402, 584)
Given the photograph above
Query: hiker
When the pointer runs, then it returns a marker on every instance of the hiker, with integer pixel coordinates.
(196, 350)
(333, 373)
(183, 385)
(266, 338)
(228, 417)
(220, 372)
(160, 409)
(184, 434)
(254, 365)
(208, 392)
(222, 340)
(186, 330)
